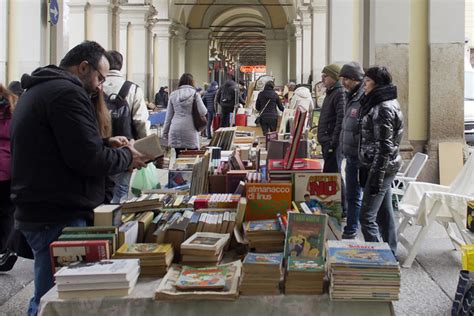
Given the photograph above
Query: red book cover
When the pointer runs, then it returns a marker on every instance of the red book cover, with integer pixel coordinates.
(64, 253)
(299, 164)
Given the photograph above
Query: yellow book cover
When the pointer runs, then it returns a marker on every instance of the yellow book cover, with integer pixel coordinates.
(144, 249)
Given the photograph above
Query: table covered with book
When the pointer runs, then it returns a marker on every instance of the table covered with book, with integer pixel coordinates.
(141, 302)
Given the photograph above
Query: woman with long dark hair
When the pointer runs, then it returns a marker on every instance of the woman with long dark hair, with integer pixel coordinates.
(381, 123)
(266, 104)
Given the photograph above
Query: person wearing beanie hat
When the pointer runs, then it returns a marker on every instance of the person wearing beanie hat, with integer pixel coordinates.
(353, 71)
(208, 100)
(332, 71)
(381, 124)
(330, 119)
(351, 77)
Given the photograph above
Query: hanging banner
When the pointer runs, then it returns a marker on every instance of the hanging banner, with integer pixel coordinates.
(254, 68)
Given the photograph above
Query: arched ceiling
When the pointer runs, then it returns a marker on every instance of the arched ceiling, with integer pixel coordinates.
(237, 25)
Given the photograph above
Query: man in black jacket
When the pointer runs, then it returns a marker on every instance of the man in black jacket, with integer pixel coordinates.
(59, 161)
(330, 119)
(351, 76)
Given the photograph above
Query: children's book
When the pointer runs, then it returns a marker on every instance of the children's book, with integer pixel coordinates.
(208, 278)
(263, 225)
(359, 253)
(305, 235)
(305, 265)
(264, 258)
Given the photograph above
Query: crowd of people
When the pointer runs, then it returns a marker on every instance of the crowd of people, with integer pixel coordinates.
(81, 153)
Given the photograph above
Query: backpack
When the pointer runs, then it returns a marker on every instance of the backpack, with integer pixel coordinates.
(120, 112)
(228, 97)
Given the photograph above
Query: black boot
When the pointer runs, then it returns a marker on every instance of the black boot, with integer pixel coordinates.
(7, 261)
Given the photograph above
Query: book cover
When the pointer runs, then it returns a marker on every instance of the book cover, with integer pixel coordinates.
(324, 191)
(107, 215)
(178, 178)
(208, 278)
(305, 264)
(111, 238)
(296, 131)
(263, 225)
(128, 233)
(205, 241)
(144, 249)
(266, 200)
(349, 252)
(264, 258)
(63, 253)
(119, 268)
(305, 235)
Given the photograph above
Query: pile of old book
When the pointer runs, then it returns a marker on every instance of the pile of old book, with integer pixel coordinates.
(206, 283)
(97, 279)
(154, 258)
(261, 274)
(362, 271)
(304, 276)
(304, 250)
(204, 249)
(264, 235)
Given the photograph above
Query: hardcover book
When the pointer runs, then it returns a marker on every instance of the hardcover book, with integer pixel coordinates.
(266, 200)
(107, 215)
(149, 146)
(206, 241)
(63, 253)
(305, 235)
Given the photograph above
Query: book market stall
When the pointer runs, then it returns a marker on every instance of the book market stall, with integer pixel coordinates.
(247, 225)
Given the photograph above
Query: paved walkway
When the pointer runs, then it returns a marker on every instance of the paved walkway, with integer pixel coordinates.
(428, 287)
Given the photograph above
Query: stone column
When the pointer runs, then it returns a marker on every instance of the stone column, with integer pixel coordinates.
(161, 54)
(446, 77)
(3, 40)
(390, 25)
(99, 23)
(76, 23)
(291, 52)
(178, 55)
(307, 40)
(276, 50)
(298, 51)
(24, 50)
(137, 39)
(197, 54)
(342, 23)
(319, 55)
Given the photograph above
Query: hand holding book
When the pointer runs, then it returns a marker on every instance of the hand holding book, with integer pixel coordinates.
(117, 141)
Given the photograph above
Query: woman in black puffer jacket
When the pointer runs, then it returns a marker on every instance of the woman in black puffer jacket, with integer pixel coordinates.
(267, 103)
(381, 123)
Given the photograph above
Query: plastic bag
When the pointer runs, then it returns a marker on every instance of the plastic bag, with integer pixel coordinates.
(145, 179)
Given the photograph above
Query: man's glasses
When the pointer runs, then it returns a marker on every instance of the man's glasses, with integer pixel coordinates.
(101, 77)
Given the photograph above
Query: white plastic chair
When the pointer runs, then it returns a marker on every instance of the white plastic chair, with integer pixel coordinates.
(411, 173)
(426, 203)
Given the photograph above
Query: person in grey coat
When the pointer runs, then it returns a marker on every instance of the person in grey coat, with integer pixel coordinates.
(179, 128)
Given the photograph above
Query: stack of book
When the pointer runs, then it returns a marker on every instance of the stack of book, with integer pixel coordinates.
(264, 235)
(64, 253)
(304, 249)
(109, 233)
(204, 249)
(154, 258)
(304, 276)
(148, 202)
(362, 271)
(223, 138)
(262, 274)
(97, 279)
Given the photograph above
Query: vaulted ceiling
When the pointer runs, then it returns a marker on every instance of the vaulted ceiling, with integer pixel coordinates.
(237, 26)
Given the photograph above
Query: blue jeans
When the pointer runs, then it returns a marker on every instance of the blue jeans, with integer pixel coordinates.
(210, 117)
(376, 215)
(122, 182)
(39, 242)
(353, 195)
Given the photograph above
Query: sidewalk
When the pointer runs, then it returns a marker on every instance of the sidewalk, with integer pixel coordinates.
(428, 287)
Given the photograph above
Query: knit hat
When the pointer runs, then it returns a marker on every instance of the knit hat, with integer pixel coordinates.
(353, 71)
(332, 71)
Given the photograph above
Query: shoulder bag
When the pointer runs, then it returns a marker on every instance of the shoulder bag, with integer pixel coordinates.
(200, 121)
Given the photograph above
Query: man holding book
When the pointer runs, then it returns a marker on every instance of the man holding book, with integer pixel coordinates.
(59, 160)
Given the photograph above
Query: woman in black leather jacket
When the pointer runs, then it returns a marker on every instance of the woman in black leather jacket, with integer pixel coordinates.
(381, 123)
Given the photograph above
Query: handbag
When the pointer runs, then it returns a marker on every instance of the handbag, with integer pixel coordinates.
(258, 120)
(200, 121)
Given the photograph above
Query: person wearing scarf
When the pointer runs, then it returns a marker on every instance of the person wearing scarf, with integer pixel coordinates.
(381, 123)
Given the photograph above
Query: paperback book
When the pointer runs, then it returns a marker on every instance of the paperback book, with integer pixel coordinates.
(305, 235)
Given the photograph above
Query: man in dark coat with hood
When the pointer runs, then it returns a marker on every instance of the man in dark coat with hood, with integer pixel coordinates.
(59, 160)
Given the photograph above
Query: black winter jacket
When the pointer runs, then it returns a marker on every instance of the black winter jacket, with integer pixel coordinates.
(209, 98)
(349, 138)
(330, 119)
(270, 111)
(59, 161)
(381, 133)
